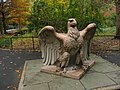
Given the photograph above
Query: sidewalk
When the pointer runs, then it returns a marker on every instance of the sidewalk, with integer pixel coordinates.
(102, 76)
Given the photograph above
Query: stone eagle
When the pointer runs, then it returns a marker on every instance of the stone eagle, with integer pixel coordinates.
(66, 49)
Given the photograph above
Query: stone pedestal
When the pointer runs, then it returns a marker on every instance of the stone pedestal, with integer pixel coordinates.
(75, 74)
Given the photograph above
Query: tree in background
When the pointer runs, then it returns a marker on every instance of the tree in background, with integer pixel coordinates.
(57, 12)
(118, 18)
(4, 10)
(109, 12)
(14, 11)
(19, 12)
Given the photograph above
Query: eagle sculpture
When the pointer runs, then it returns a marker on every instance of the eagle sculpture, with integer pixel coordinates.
(66, 49)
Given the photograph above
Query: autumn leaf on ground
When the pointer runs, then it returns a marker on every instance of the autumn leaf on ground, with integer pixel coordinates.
(18, 57)
(7, 56)
(3, 58)
(4, 74)
(0, 62)
(14, 88)
(18, 71)
(11, 62)
(19, 76)
(15, 64)
(8, 87)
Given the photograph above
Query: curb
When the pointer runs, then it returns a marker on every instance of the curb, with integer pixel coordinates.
(20, 86)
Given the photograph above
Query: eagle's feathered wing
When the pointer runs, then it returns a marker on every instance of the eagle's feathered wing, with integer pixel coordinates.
(50, 44)
(87, 35)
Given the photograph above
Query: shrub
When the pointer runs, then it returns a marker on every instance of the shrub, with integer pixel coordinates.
(57, 12)
(5, 43)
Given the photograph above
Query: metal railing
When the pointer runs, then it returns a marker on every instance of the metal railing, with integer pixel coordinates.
(19, 43)
(99, 43)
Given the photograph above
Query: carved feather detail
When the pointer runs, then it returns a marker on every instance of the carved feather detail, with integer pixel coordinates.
(50, 44)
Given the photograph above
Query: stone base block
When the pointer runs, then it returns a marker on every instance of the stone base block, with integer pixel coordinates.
(75, 74)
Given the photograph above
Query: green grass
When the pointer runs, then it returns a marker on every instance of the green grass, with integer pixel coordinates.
(27, 35)
(107, 31)
(5, 43)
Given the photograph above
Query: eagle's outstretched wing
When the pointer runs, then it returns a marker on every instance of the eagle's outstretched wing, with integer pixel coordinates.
(87, 35)
(50, 44)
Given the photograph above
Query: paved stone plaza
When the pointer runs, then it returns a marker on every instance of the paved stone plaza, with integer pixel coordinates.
(102, 76)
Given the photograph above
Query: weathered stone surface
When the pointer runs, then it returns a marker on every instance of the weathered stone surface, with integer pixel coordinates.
(40, 78)
(75, 74)
(33, 74)
(97, 59)
(109, 87)
(114, 76)
(105, 67)
(66, 84)
(64, 49)
(95, 79)
(43, 86)
(32, 69)
(90, 71)
(92, 79)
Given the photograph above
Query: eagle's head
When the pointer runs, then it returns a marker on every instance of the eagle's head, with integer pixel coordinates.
(72, 22)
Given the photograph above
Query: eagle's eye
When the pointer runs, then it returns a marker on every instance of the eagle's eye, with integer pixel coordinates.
(71, 20)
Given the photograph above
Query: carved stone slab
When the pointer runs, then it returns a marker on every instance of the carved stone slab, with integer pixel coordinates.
(75, 74)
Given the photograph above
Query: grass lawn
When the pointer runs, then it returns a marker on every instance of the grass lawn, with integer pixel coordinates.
(107, 31)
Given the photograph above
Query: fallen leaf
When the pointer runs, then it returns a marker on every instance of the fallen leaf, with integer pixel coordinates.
(0, 62)
(18, 57)
(15, 64)
(8, 87)
(10, 68)
(11, 62)
(3, 58)
(7, 56)
(4, 74)
(14, 88)
(18, 71)
(19, 76)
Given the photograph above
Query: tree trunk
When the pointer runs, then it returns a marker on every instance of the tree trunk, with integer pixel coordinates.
(4, 24)
(3, 17)
(1, 31)
(117, 19)
(19, 24)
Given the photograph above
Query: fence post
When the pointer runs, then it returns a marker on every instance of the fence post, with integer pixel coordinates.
(119, 44)
(33, 43)
(11, 46)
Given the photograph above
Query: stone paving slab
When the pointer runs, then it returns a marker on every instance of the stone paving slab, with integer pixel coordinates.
(63, 83)
(105, 67)
(95, 79)
(43, 86)
(114, 76)
(103, 74)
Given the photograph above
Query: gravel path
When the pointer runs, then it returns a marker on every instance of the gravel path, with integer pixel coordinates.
(11, 65)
